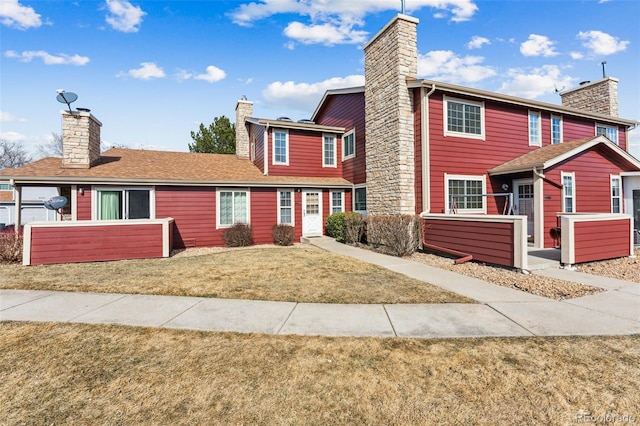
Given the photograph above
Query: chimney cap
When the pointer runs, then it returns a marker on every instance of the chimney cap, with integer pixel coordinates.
(83, 109)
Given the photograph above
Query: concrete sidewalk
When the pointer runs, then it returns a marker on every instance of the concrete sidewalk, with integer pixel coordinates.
(501, 312)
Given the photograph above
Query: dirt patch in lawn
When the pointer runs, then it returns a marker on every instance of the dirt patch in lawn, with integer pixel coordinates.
(297, 274)
(84, 374)
(534, 284)
(623, 268)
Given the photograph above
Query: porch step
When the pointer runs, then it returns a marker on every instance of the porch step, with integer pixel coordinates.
(543, 259)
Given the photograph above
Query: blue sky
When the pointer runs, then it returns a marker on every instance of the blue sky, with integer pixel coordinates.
(151, 71)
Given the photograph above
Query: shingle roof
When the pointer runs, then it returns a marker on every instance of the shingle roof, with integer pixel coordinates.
(550, 155)
(179, 168)
(6, 196)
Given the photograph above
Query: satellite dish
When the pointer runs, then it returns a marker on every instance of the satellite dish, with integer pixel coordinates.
(66, 98)
(56, 203)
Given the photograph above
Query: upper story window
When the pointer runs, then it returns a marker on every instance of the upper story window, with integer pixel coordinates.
(5, 187)
(328, 151)
(463, 118)
(556, 129)
(285, 207)
(280, 147)
(233, 207)
(568, 192)
(118, 204)
(608, 131)
(360, 200)
(337, 202)
(616, 194)
(535, 133)
(464, 194)
(349, 145)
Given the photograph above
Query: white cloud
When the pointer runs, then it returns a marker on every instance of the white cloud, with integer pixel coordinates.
(447, 66)
(535, 82)
(212, 75)
(329, 16)
(15, 15)
(6, 116)
(123, 16)
(305, 96)
(538, 45)
(633, 142)
(47, 58)
(327, 34)
(477, 42)
(600, 43)
(12, 136)
(576, 55)
(147, 71)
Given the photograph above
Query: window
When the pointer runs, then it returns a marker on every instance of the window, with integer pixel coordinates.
(285, 207)
(117, 204)
(465, 193)
(349, 145)
(464, 118)
(360, 200)
(568, 192)
(337, 204)
(233, 207)
(556, 129)
(328, 151)
(280, 147)
(616, 194)
(608, 131)
(5, 187)
(534, 129)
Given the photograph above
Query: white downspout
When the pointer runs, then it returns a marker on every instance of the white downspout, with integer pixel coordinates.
(426, 181)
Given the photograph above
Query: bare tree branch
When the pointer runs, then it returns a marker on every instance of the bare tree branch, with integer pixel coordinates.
(13, 154)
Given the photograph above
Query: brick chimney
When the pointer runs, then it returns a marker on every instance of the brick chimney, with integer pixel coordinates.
(80, 139)
(244, 109)
(600, 96)
(390, 57)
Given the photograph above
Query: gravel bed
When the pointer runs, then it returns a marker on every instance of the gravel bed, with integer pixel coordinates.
(534, 284)
(623, 268)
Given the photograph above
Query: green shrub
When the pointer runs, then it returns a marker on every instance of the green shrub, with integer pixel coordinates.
(239, 235)
(345, 227)
(282, 235)
(397, 235)
(10, 247)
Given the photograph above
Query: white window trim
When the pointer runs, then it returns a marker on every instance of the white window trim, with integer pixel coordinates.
(619, 197)
(349, 133)
(606, 126)
(573, 197)
(483, 126)
(273, 147)
(335, 154)
(539, 132)
(559, 117)
(353, 199)
(293, 205)
(332, 193)
(448, 177)
(224, 189)
(95, 204)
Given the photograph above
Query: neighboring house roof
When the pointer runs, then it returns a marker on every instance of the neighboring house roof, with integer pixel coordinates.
(297, 125)
(468, 91)
(130, 166)
(550, 155)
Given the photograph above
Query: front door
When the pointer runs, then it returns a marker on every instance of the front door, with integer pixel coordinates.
(523, 203)
(311, 213)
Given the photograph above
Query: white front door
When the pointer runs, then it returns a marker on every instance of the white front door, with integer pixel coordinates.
(523, 203)
(311, 212)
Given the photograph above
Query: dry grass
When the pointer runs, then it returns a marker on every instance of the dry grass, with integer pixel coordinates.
(298, 274)
(82, 374)
(624, 268)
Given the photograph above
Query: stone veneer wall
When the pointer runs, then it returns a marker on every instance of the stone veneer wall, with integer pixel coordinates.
(600, 97)
(80, 140)
(390, 57)
(244, 109)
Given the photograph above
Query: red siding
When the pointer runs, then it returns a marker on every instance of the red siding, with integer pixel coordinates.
(95, 243)
(194, 211)
(600, 240)
(84, 203)
(305, 155)
(491, 242)
(256, 134)
(264, 214)
(348, 111)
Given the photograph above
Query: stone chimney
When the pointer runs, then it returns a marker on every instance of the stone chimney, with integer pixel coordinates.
(600, 97)
(390, 57)
(80, 139)
(244, 109)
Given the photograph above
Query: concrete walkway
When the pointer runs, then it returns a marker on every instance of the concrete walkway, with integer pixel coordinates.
(501, 312)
